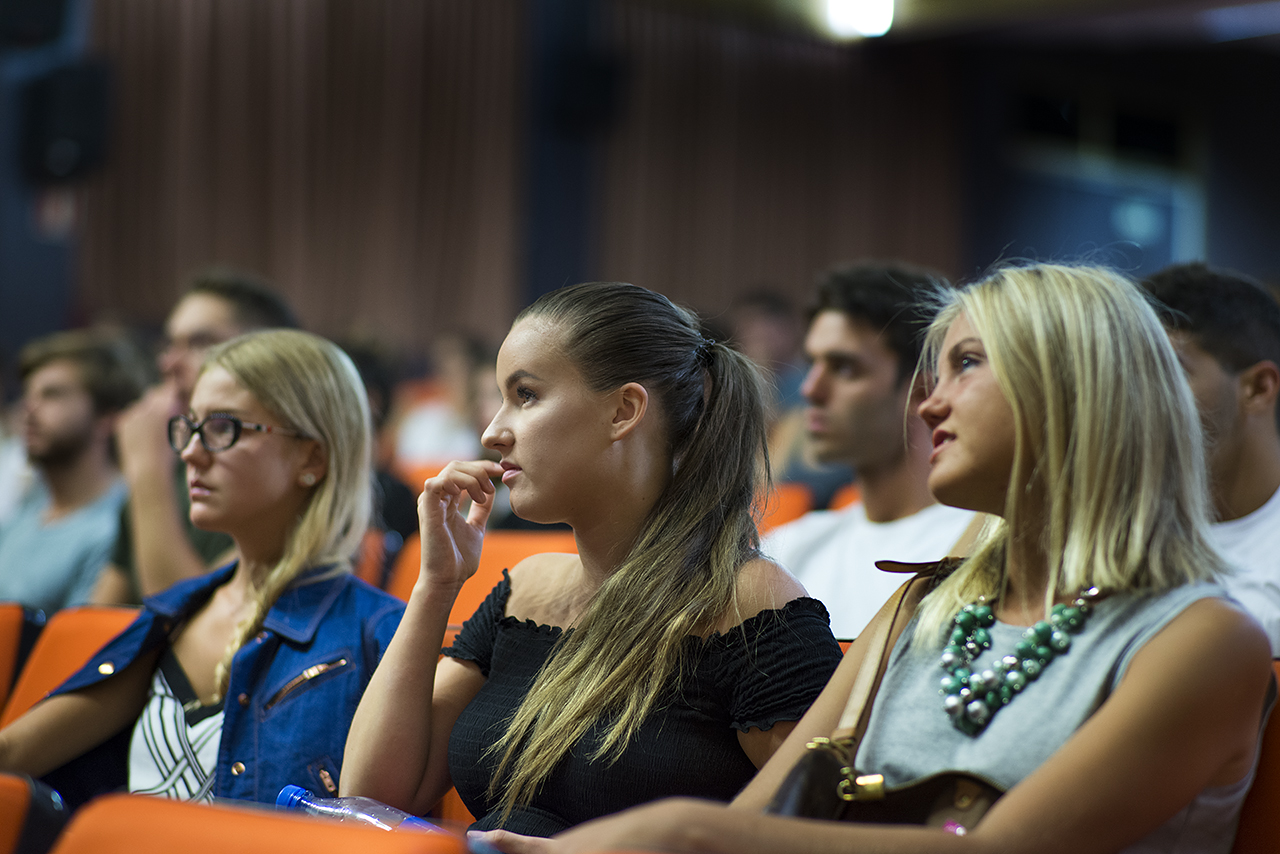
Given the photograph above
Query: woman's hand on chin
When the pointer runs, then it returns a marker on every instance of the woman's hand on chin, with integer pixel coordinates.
(451, 541)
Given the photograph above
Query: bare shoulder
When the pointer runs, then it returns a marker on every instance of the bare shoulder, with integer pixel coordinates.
(762, 586)
(540, 585)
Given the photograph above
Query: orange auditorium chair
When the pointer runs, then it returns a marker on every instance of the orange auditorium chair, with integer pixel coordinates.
(138, 824)
(1259, 831)
(12, 621)
(502, 550)
(785, 503)
(845, 496)
(70, 639)
(31, 816)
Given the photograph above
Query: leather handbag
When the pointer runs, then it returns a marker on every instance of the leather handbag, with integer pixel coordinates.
(824, 784)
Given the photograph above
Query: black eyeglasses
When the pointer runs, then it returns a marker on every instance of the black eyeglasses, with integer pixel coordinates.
(217, 432)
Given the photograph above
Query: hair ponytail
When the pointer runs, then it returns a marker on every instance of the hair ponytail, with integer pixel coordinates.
(680, 576)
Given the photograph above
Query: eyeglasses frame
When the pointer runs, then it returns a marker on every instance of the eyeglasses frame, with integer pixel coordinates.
(240, 425)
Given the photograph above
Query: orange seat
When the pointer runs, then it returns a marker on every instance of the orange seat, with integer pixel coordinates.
(372, 554)
(29, 821)
(1259, 826)
(70, 639)
(15, 800)
(139, 824)
(414, 474)
(452, 811)
(786, 503)
(11, 619)
(845, 496)
(502, 550)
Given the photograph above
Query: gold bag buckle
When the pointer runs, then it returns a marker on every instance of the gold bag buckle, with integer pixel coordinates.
(852, 786)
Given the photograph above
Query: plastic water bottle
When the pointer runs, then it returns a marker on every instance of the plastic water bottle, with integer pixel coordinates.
(354, 810)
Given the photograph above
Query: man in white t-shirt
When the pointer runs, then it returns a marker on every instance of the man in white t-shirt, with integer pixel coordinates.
(1226, 329)
(863, 344)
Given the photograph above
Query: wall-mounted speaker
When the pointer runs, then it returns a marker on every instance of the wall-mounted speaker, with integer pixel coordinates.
(28, 23)
(66, 122)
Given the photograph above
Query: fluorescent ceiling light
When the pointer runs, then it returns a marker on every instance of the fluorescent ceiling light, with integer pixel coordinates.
(862, 17)
(1242, 22)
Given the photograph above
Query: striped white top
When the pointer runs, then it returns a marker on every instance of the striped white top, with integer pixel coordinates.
(174, 749)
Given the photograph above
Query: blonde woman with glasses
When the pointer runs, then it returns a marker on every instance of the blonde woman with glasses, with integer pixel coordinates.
(241, 681)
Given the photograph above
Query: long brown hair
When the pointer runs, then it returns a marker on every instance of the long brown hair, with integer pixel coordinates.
(680, 575)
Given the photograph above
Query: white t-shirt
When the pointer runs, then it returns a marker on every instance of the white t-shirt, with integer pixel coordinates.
(1251, 544)
(833, 554)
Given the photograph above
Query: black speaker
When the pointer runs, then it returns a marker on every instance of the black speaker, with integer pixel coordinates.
(66, 118)
(27, 23)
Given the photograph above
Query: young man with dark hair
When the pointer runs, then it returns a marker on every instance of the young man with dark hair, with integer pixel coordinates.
(73, 386)
(1226, 329)
(157, 544)
(863, 344)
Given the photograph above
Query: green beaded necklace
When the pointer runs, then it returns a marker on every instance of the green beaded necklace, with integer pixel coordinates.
(972, 699)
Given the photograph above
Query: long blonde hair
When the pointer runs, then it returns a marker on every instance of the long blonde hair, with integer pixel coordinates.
(312, 387)
(681, 573)
(1105, 429)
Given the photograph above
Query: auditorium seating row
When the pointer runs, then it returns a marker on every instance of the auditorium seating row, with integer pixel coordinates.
(140, 825)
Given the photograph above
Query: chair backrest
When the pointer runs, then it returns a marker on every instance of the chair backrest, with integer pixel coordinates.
(31, 815)
(70, 639)
(502, 550)
(11, 622)
(138, 824)
(786, 503)
(15, 800)
(1259, 831)
(846, 495)
(372, 553)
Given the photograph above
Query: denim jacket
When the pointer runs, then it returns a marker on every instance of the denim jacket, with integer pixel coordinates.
(292, 692)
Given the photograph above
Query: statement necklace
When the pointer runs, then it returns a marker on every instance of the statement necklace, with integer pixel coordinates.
(972, 699)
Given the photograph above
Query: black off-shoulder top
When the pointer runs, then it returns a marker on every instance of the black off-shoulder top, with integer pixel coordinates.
(770, 668)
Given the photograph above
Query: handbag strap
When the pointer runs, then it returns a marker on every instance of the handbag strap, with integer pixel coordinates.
(900, 608)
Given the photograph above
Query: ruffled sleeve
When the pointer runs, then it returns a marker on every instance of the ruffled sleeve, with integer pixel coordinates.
(773, 666)
(476, 638)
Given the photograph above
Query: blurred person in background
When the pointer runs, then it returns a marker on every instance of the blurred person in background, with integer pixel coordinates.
(395, 505)
(766, 327)
(437, 427)
(863, 344)
(74, 385)
(1225, 328)
(156, 545)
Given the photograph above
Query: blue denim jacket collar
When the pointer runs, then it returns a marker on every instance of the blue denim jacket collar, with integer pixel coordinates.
(296, 615)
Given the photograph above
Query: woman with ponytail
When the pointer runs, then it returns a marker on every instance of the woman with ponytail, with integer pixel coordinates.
(666, 656)
(248, 675)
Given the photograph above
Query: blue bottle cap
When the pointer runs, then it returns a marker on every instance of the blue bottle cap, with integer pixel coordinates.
(292, 796)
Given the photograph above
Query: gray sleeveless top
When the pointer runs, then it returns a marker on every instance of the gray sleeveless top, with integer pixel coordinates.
(909, 735)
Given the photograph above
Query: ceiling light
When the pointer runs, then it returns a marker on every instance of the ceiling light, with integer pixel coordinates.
(860, 17)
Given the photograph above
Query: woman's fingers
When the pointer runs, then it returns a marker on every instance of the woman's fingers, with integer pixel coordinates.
(475, 478)
(511, 843)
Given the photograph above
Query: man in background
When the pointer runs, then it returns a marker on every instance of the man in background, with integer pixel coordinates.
(1226, 330)
(74, 385)
(863, 343)
(157, 544)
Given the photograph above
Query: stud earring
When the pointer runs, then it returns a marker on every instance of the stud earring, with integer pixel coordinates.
(308, 479)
